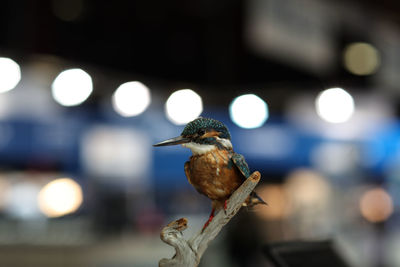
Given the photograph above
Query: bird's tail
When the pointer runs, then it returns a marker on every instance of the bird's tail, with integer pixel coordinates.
(254, 199)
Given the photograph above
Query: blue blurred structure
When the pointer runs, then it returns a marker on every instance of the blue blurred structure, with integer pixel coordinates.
(276, 147)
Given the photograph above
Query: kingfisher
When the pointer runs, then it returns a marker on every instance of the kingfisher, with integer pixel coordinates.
(214, 169)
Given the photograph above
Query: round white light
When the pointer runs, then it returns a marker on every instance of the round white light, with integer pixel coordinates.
(10, 74)
(131, 99)
(248, 111)
(72, 87)
(183, 106)
(335, 105)
(60, 197)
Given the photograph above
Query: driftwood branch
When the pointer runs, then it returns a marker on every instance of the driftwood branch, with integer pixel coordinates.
(189, 252)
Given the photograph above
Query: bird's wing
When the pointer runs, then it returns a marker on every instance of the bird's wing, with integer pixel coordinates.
(241, 164)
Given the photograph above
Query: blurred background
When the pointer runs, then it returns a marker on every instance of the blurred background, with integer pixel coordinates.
(308, 88)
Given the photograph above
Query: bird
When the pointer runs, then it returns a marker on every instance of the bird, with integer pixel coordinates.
(214, 169)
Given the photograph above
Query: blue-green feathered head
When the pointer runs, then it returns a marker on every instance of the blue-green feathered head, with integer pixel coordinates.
(202, 131)
(201, 125)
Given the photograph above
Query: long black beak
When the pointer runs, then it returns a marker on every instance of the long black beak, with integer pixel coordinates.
(173, 141)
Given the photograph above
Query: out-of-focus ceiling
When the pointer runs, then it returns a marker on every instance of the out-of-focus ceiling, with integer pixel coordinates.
(196, 41)
(199, 42)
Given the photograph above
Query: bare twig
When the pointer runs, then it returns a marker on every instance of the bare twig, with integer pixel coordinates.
(189, 252)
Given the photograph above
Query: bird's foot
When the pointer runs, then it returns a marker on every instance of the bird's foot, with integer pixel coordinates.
(225, 206)
(209, 220)
(207, 223)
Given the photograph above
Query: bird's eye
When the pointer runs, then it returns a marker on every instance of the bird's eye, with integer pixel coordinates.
(201, 132)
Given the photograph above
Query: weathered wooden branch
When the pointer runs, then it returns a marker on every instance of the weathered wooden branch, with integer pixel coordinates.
(189, 252)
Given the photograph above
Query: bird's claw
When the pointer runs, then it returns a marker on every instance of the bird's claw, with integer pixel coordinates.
(225, 206)
(207, 223)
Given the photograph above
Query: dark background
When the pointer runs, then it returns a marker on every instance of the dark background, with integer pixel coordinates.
(315, 174)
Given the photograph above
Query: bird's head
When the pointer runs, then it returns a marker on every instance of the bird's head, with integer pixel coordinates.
(202, 135)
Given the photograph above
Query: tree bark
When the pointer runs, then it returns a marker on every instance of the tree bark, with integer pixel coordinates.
(189, 252)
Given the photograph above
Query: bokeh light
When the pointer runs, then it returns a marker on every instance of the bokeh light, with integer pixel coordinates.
(183, 106)
(376, 205)
(131, 99)
(361, 58)
(248, 111)
(72, 87)
(60, 197)
(10, 74)
(335, 105)
(307, 188)
(116, 154)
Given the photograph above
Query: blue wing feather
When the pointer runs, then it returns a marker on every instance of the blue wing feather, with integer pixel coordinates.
(241, 164)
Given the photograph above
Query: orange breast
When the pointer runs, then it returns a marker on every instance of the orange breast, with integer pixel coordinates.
(212, 175)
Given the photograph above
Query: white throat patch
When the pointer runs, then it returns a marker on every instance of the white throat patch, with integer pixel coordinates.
(199, 149)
